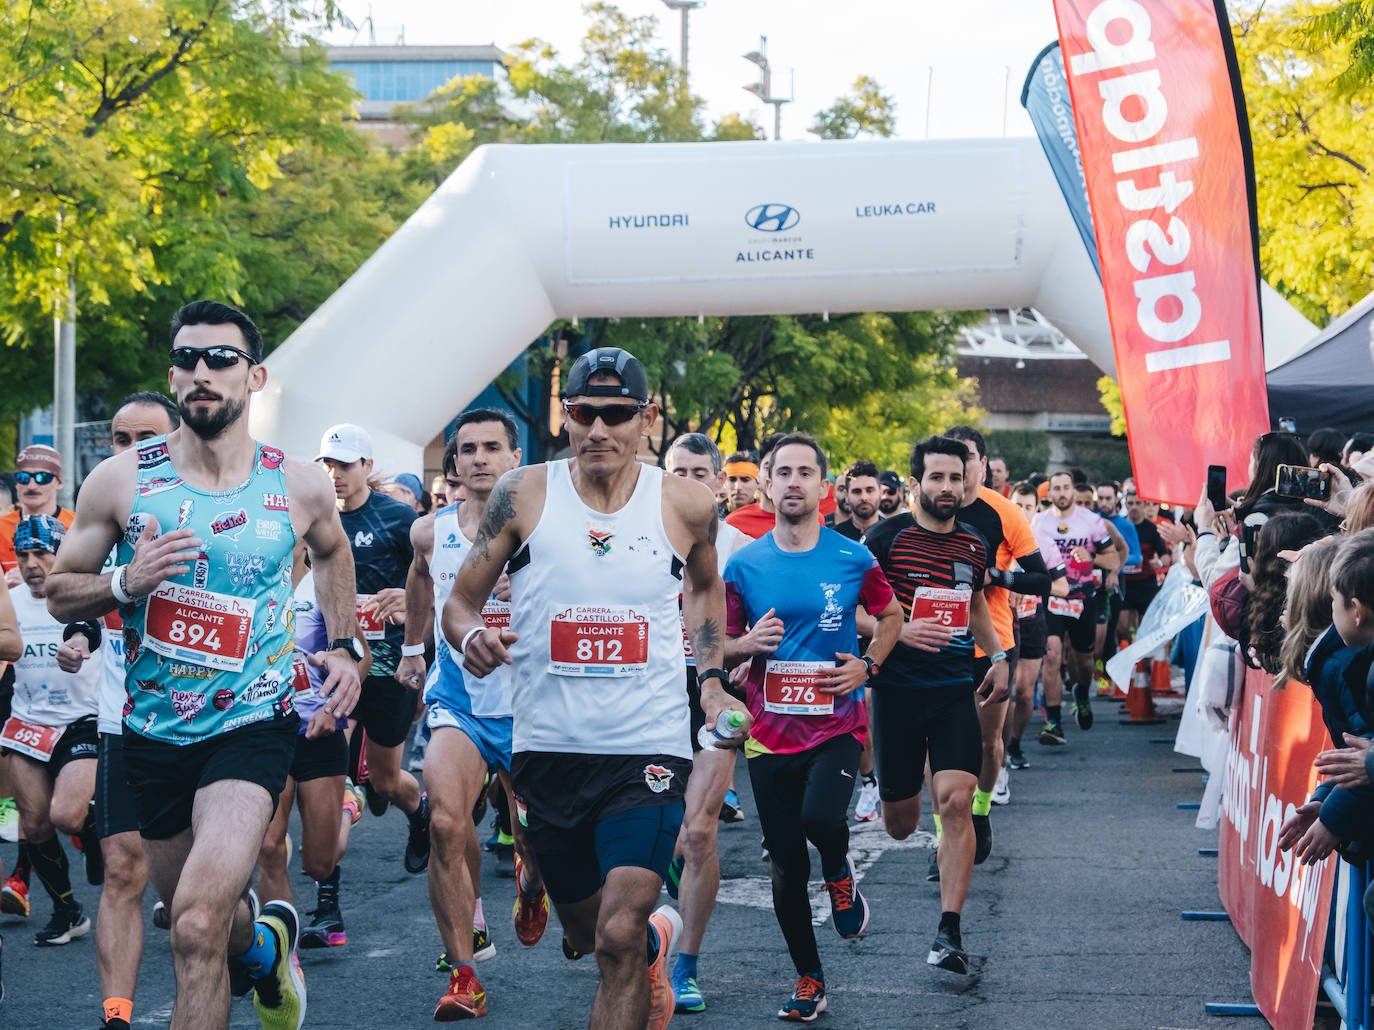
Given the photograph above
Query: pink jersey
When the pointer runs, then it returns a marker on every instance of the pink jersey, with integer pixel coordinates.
(1078, 527)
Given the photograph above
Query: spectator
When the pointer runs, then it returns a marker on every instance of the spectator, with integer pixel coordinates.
(9, 493)
(1270, 451)
(1284, 533)
(1325, 445)
(1356, 448)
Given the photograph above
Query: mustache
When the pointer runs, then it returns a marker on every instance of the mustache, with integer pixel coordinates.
(202, 395)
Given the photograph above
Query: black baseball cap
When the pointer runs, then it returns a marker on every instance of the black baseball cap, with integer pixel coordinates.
(634, 381)
(890, 480)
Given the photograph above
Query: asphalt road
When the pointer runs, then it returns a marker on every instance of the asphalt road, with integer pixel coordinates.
(1074, 922)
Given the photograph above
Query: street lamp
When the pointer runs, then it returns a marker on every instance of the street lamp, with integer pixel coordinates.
(763, 89)
(685, 8)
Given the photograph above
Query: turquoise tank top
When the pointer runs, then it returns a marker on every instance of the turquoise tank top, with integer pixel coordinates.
(210, 651)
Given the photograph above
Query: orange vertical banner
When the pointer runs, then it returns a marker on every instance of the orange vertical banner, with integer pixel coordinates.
(1166, 153)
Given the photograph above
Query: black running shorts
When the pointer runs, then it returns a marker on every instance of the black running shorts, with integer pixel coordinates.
(114, 801)
(1033, 635)
(165, 777)
(1139, 594)
(588, 814)
(910, 725)
(386, 709)
(78, 740)
(1082, 631)
(321, 757)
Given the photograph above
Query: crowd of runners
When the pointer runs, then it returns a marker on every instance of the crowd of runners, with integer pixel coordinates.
(219, 633)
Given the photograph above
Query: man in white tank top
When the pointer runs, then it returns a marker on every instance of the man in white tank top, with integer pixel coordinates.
(598, 549)
(469, 719)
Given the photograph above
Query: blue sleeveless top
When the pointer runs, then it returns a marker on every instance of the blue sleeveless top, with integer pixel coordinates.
(211, 650)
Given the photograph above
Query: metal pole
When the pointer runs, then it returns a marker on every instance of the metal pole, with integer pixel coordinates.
(777, 120)
(930, 88)
(1006, 86)
(685, 12)
(64, 391)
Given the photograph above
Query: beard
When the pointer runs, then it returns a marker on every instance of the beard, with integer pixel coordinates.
(890, 504)
(209, 424)
(942, 510)
(864, 509)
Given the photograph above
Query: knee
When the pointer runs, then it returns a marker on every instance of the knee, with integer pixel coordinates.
(384, 779)
(35, 827)
(957, 799)
(817, 827)
(449, 828)
(620, 936)
(198, 933)
(272, 854)
(898, 827)
(318, 865)
(126, 872)
(69, 818)
(698, 838)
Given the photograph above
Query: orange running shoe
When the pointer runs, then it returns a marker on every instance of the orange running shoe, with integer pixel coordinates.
(668, 925)
(531, 913)
(465, 998)
(14, 897)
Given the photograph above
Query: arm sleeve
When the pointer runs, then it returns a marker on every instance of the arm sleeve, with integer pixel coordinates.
(736, 618)
(1033, 577)
(876, 592)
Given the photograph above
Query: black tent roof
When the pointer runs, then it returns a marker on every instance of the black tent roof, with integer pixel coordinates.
(1330, 382)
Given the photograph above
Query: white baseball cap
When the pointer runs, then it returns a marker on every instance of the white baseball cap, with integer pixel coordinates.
(345, 442)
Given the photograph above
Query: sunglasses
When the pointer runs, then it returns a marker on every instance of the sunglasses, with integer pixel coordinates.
(41, 478)
(610, 414)
(215, 357)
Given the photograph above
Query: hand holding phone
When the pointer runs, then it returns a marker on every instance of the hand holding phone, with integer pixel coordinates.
(1216, 487)
(1302, 482)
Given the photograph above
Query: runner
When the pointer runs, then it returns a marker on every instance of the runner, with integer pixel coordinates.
(1032, 631)
(741, 480)
(37, 476)
(600, 547)
(710, 788)
(861, 494)
(205, 519)
(923, 698)
(119, 920)
(469, 720)
(791, 598)
(11, 648)
(893, 499)
(1085, 543)
(1015, 565)
(50, 734)
(1108, 505)
(997, 476)
(757, 517)
(378, 529)
(1142, 577)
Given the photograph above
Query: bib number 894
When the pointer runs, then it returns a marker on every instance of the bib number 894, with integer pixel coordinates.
(598, 650)
(194, 634)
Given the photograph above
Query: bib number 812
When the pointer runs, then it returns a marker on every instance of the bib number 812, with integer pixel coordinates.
(598, 650)
(194, 634)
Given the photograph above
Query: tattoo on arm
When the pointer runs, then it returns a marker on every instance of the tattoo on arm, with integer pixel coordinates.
(707, 637)
(500, 510)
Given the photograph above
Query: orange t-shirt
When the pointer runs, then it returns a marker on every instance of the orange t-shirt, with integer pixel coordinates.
(10, 522)
(1016, 542)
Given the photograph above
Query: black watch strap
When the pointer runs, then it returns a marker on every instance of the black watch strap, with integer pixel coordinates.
(89, 630)
(349, 644)
(719, 674)
(872, 665)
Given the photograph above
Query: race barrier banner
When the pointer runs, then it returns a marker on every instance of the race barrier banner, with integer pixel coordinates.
(1166, 154)
(1278, 907)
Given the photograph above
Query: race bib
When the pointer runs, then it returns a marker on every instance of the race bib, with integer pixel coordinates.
(1069, 607)
(496, 614)
(1131, 570)
(950, 607)
(372, 627)
(791, 688)
(1029, 605)
(300, 673)
(1097, 577)
(587, 640)
(199, 626)
(29, 738)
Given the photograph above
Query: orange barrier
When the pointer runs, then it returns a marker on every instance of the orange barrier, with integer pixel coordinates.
(1140, 702)
(1160, 683)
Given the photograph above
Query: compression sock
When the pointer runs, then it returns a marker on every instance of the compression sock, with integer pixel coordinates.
(327, 890)
(1052, 713)
(686, 965)
(949, 921)
(982, 801)
(50, 863)
(1014, 745)
(262, 952)
(23, 866)
(938, 831)
(479, 921)
(119, 1008)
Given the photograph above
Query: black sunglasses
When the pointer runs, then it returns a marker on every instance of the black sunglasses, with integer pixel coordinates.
(41, 478)
(215, 357)
(610, 414)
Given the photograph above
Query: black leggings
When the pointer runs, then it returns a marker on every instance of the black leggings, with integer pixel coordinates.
(801, 797)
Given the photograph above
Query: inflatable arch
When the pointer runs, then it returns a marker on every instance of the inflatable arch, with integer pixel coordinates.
(519, 236)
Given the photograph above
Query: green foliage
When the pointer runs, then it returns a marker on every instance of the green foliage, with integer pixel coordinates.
(1350, 22)
(1100, 457)
(1110, 392)
(1024, 450)
(864, 110)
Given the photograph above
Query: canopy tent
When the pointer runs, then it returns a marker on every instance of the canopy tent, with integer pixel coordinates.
(1329, 382)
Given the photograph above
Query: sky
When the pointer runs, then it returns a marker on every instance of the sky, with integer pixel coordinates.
(963, 61)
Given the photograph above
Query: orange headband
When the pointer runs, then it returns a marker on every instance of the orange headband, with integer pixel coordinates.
(742, 468)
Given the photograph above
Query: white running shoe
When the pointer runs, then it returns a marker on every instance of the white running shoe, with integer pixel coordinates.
(867, 808)
(1001, 791)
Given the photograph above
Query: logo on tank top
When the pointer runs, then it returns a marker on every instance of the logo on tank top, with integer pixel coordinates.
(832, 615)
(600, 540)
(223, 700)
(361, 539)
(157, 485)
(657, 778)
(152, 457)
(275, 502)
(229, 523)
(270, 459)
(133, 643)
(187, 704)
(244, 567)
(184, 512)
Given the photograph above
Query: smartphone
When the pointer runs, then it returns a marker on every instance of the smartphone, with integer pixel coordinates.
(1287, 425)
(1216, 487)
(1301, 481)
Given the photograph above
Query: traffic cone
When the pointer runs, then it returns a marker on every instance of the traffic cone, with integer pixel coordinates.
(1140, 705)
(1160, 683)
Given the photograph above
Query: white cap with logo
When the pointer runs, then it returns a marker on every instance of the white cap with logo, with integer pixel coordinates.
(345, 442)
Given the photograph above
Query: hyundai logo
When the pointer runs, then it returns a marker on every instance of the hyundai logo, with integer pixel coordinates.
(772, 217)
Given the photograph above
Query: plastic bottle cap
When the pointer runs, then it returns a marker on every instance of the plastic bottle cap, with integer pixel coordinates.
(735, 718)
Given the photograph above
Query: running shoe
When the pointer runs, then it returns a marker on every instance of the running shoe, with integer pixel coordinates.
(848, 909)
(667, 925)
(417, 843)
(326, 930)
(531, 913)
(483, 947)
(948, 952)
(353, 800)
(867, 808)
(1052, 735)
(1001, 790)
(464, 999)
(1083, 708)
(65, 926)
(376, 803)
(674, 879)
(730, 810)
(162, 919)
(933, 868)
(280, 991)
(1016, 758)
(240, 979)
(14, 898)
(807, 1001)
(9, 820)
(569, 952)
(687, 996)
(982, 836)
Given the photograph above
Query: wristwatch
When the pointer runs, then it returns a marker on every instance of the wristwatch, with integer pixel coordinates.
(719, 674)
(349, 644)
(873, 666)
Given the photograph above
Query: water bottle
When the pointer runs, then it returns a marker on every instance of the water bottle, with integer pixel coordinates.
(727, 725)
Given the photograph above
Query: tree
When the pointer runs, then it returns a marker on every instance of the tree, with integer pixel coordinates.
(1350, 22)
(864, 110)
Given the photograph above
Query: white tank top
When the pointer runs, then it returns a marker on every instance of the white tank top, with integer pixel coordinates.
(598, 668)
(43, 693)
(447, 684)
(112, 693)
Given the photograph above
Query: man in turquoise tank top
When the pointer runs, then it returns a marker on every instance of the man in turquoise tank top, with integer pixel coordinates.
(205, 519)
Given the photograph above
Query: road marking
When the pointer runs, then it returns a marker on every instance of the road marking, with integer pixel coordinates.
(867, 843)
